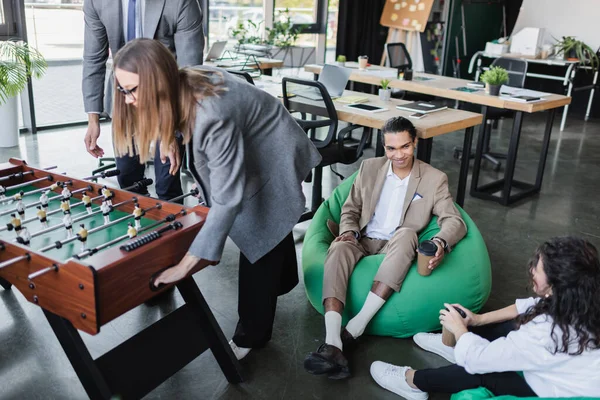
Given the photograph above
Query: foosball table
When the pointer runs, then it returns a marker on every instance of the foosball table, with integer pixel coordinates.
(86, 254)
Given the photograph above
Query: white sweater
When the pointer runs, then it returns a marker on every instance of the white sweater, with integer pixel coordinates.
(529, 349)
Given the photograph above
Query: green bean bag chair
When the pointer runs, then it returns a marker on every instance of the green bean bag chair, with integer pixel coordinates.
(483, 394)
(463, 277)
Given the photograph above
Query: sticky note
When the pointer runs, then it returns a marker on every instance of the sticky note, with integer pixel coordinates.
(406, 21)
(394, 1)
(421, 6)
(396, 6)
(414, 22)
(412, 8)
(404, 4)
(394, 17)
(418, 27)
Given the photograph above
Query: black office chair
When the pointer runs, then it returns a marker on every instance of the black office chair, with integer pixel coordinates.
(399, 58)
(517, 72)
(242, 75)
(334, 147)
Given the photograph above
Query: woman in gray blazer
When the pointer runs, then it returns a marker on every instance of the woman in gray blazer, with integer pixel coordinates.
(248, 156)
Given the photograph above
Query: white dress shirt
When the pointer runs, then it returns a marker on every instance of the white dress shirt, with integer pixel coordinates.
(389, 207)
(530, 349)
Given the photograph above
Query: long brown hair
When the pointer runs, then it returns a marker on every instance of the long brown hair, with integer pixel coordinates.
(166, 98)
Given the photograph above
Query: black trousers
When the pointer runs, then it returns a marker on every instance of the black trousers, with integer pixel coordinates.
(167, 186)
(453, 379)
(260, 284)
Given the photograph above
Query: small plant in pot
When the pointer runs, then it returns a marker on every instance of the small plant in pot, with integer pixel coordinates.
(494, 78)
(341, 60)
(385, 93)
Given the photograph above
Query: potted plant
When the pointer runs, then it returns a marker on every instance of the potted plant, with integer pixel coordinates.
(341, 60)
(576, 50)
(494, 78)
(18, 62)
(283, 34)
(385, 93)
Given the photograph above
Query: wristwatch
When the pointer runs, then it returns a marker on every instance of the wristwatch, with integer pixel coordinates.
(442, 242)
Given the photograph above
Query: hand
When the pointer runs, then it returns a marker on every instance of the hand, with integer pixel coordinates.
(437, 259)
(471, 319)
(452, 321)
(177, 272)
(91, 137)
(173, 155)
(346, 237)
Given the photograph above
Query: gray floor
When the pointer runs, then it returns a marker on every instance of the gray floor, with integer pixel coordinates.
(33, 365)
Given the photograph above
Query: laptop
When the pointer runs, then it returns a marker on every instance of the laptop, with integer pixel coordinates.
(334, 79)
(216, 51)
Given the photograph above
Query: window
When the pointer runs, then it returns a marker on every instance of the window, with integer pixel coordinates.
(311, 14)
(225, 16)
(7, 25)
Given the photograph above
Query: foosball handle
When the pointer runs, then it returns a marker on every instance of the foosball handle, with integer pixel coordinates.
(112, 172)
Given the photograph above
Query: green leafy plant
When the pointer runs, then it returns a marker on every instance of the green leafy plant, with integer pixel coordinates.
(385, 84)
(247, 33)
(18, 62)
(495, 76)
(573, 48)
(341, 58)
(284, 33)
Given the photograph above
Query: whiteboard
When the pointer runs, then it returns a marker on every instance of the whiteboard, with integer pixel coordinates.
(579, 18)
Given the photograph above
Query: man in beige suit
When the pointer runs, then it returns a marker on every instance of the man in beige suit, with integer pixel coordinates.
(392, 199)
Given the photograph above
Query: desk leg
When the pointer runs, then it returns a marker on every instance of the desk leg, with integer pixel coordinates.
(379, 151)
(464, 167)
(589, 107)
(5, 284)
(511, 158)
(424, 150)
(478, 152)
(545, 145)
(317, 190)
(268, 71)
(566, 110)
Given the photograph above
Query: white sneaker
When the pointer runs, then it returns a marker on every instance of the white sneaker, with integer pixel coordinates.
(240, 352)
(393, 378)
(433, 342)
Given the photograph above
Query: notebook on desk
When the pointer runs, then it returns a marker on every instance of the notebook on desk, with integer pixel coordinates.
(421, 107)
(521, 99)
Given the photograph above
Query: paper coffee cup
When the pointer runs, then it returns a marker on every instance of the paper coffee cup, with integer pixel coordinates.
(362, 62)
(448, 338)
(426, 250)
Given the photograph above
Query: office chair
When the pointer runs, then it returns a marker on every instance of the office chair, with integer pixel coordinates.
(334, 147)
(399, 58)
(517, 72)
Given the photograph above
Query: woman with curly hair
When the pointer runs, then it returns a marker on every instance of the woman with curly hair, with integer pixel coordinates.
(553, 339)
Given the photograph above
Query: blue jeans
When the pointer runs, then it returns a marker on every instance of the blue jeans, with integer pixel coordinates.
(167, 186)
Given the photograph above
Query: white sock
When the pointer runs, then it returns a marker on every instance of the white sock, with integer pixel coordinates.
(357, 325)
(333, 329)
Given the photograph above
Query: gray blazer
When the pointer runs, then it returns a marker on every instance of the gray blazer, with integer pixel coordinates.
(176, 23)
(250, 158)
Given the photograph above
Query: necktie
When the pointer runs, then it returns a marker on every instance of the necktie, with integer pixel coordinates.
(131, 20)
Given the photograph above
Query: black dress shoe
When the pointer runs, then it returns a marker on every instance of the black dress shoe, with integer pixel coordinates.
(348, 341)
(327, 360)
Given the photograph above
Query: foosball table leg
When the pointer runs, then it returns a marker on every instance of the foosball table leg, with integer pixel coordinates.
(5, 284)
(87, 371)
(212, 331)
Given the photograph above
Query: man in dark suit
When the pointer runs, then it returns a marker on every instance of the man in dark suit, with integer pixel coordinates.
(109, 24)
(392, 199)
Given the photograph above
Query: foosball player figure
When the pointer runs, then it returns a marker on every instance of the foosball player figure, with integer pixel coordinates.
(137, 213)
(2, 192)
(53, 187)
(82, 236)
(44, 200)
(66, 193)
(65, 206)
(41, 214)
(68, 223)
(108, 195)
(87, 201)
(24, 237)
(105, 208)
(20, 206)
(131, 231)
(15, 223)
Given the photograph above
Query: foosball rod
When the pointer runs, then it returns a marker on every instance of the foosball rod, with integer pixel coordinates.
(80, 217)
(20, 185)
(193, 192)
(15, 260)
(60, 243)
(89, 252)
(106, 174)
(22, 174)
(37, 203)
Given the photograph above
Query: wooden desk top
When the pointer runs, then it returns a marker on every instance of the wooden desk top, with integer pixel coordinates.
(263, 63)
(434, 124)
(442, 86)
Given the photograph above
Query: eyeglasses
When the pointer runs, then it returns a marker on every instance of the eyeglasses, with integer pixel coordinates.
(127, 92)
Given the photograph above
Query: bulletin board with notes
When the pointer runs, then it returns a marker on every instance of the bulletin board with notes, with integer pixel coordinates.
(408, 15)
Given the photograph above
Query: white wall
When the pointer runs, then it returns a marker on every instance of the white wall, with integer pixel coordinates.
(579, 18)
